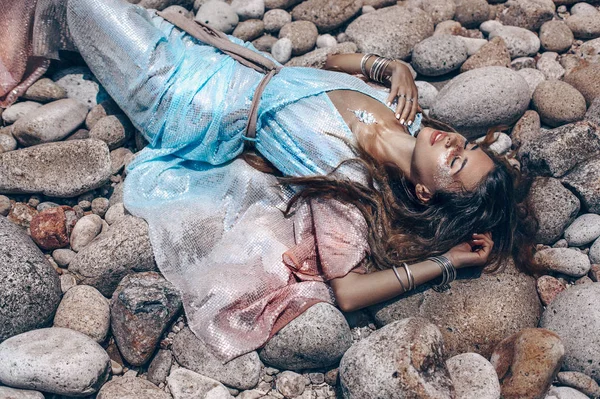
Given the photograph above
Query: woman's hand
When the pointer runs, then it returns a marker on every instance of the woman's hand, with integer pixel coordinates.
(475, 252)
(403, 86)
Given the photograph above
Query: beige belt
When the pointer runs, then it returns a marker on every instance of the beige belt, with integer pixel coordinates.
(243, 55)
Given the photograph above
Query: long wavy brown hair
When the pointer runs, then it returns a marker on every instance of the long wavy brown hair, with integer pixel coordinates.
(401, 228)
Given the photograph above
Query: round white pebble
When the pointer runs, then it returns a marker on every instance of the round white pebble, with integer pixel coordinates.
(282, 50)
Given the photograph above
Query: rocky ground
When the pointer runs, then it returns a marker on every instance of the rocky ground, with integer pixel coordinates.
(85, 313)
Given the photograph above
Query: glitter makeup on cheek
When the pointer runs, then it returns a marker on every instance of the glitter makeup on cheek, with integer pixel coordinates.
(442, 176)
(364, 116)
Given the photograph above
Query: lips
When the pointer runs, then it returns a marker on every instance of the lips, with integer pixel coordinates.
(437, 136)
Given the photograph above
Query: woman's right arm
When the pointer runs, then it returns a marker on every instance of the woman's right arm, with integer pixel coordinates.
(402, 84)
(355, 291)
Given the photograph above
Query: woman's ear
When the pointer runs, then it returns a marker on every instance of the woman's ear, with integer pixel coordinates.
(423, 193)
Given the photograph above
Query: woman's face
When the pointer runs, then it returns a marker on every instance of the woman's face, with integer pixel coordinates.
(444, 160)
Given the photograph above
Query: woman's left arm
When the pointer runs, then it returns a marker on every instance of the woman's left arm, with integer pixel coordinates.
(402, 84)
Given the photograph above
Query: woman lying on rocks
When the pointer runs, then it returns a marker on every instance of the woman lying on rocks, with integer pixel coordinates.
(354, 199)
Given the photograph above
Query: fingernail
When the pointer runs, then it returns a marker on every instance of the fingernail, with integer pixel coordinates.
(397, 116)
(402, 121)
(388, 103)
(409, 123)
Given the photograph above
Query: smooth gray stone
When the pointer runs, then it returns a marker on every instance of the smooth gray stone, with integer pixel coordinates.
(131, 388)
(186, 384)
(473, 377)
(84, 309)
(51, 122)
(583, 181)
(438, 55)
(125, 248)
(56, 360)
(575, 316)
(11, 393)
(319, 337)
(520, 42)
(391, 31)
(29, 285)
(553, 206)
(395, 361)
(17, 110)
(557, 152)
(64, 169)
(584, 230)
(568, 261)
(483, 97)
(242, 372)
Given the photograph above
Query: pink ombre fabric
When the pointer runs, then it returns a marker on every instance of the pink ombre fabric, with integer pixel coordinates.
(18, 69)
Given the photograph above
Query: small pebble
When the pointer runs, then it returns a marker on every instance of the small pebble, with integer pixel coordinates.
(100, 206)
(67, 281)
(4, 205)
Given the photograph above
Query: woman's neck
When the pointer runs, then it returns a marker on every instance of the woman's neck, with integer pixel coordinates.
(386, 142)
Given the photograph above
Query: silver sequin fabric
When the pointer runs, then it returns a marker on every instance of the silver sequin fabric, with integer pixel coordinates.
(217, 225)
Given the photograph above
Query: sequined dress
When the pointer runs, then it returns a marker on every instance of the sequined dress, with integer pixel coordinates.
(216, 224)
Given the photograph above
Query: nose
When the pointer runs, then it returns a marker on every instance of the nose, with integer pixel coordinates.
(450, 140)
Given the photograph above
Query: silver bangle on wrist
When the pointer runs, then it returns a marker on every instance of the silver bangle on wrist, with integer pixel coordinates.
(399, 279)
(448, 272)
(363, 63)
(378, 68)
(409, 275)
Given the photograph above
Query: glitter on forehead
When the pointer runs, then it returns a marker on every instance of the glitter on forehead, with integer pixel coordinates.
(364, 116)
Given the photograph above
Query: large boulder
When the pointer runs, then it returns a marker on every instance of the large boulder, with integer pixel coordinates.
(50, 122)
(56, 360)
(404, 359)
(575, 316)
(317, 338)
(391, 32)
(586, 80)
(471, 13)
(242, 372)
(125, 248)
(558, 103)
(141, 309)
(583, 180)
(64, 169)
(84, 309)
(528, 14)
(185, 384)
(127, 387)
(474, 314)
(483, 97)
(29, 286)
(556, 36)
(519, 41)
(553, 206)
(492, 53)
(438, 55)
(473, 377)
(527, 362)
(559, 150)
(326, 15)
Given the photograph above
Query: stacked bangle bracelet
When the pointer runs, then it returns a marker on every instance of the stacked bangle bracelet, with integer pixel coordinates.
(448, 272)
(377, 70)
(409, 277)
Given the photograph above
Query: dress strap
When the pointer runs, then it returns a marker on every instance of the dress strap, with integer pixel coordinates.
(243, 55)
